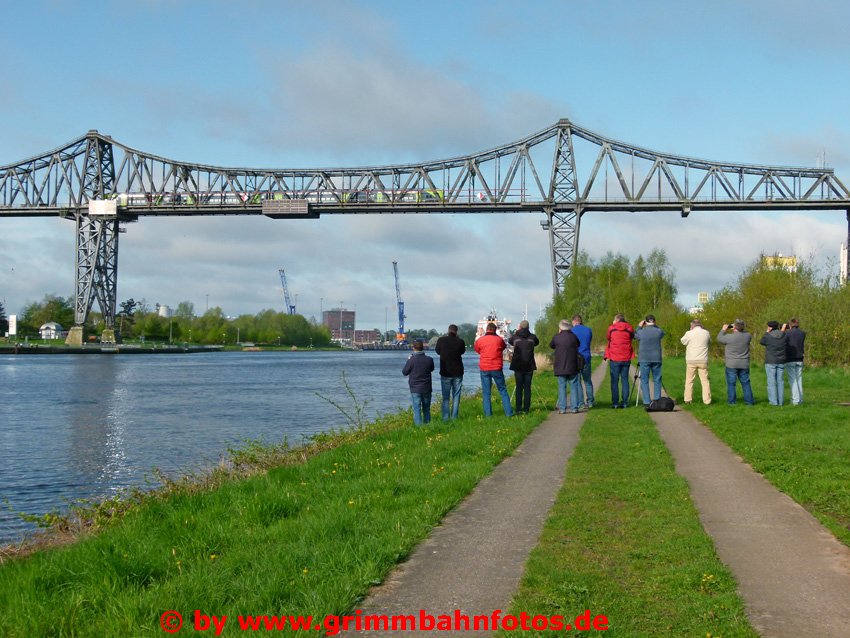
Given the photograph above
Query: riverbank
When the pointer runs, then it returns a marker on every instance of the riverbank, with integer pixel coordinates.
(331, 525)
(118, 348)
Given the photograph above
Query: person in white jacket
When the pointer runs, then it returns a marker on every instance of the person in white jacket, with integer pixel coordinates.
(696, 342)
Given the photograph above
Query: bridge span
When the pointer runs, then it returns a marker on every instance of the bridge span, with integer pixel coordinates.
(561, 172)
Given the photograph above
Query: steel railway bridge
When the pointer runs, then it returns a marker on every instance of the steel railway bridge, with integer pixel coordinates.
(561, 172)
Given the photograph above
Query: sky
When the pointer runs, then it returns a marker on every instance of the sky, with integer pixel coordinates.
(335, 84)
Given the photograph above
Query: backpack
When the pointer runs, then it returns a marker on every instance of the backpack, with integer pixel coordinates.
(664, 404)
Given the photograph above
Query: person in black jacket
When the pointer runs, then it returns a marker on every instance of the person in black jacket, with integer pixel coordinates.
(418, 369)
(523, 365)
(794, 354)
(450, 347)
(566, 366)
(774, 342)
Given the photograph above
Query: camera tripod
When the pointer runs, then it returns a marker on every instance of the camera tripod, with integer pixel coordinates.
(636, 385)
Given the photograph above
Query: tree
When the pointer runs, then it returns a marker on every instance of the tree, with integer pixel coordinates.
(52, 308)
(4, 321)
(466, 331)
(598, 291)
(126, 312)
(185, 310)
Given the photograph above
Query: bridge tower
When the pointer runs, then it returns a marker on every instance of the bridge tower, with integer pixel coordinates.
(97, 242)
(563, 212)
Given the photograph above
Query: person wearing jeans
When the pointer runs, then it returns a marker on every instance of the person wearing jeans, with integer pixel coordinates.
(619, 354)
(566, 366)
(490, 348)
(774, 342)
(733, 375)
(649, 357)
(418, 369)
(794, 365)
(585, 337)
(574, 383)
(450, 347)
(488, 378)
(737, 360)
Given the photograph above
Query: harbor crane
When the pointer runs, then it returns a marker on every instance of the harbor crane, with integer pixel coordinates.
(400, 337)
(290, 307)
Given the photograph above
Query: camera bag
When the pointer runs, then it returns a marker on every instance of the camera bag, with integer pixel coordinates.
(664, 404)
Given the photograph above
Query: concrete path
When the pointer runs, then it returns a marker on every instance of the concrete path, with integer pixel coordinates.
(793, 575)
(474, 560)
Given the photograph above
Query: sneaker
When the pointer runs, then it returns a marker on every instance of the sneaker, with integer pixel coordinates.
(562, 411)
(575, 410)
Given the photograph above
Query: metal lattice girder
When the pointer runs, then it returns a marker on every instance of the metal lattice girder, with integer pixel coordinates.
(596, 172)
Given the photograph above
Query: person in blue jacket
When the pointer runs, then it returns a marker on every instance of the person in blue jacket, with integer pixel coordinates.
(585, 336)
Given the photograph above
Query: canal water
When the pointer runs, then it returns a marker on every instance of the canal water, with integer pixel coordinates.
(85, 426)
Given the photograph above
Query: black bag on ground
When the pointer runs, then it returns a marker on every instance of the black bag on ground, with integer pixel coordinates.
(664, 404)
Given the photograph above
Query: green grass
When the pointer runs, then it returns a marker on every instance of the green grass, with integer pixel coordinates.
(308, 538)
(624, 540)
(802, 450)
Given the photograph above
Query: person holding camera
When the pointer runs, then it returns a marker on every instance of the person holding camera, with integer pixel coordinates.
(696, 342)
(619, 355)
(775, 342)
(566, 366)
(649, 357)
(737, 360)
(794, 355)
(522, 363)
(490, 363)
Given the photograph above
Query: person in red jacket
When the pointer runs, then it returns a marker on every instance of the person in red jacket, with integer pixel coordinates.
(490, 348)
(619, 354)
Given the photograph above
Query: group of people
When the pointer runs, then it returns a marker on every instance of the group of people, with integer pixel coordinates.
(784, 351)
(572, 364)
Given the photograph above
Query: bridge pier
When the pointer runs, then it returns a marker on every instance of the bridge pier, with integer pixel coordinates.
(96, 274)
(563, 227)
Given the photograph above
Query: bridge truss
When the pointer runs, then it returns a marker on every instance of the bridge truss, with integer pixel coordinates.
(561, 172)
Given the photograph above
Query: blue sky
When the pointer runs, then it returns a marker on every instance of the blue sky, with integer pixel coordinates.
(311, 84)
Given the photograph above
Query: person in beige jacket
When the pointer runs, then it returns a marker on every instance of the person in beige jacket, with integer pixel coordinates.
(696, 342)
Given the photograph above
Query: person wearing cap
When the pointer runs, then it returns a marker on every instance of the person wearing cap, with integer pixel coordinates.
(794, 355)
(418, 369)
(522, 363)
(450, 347)
(649, 357)
(737, 359)
(696, 342)
(490, 348)
(775, 343)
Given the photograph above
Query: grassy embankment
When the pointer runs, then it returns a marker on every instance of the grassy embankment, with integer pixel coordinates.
(802, 450)
(306, 538)
(624, 540)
